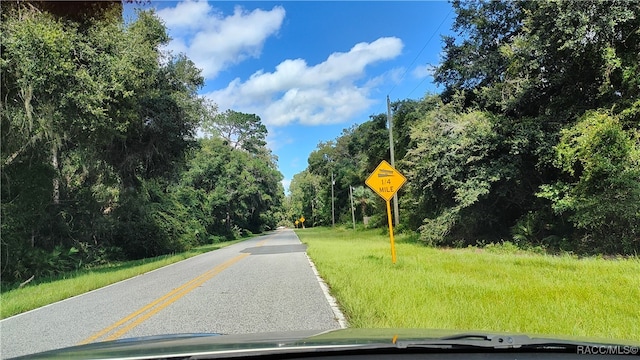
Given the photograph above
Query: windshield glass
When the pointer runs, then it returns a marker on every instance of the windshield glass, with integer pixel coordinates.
(251, 168)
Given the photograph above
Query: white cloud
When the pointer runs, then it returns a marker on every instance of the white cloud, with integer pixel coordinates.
(213, 41)
(186, 15)
(325, 93)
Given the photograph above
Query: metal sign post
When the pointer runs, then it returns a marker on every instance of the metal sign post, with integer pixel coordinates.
(385, 181)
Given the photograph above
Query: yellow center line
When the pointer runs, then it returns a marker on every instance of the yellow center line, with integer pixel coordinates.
(218, 269)
(140, 311)
(162, 302)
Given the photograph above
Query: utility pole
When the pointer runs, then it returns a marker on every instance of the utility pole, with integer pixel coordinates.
(393, 161)
(353, 211)
(333, 209)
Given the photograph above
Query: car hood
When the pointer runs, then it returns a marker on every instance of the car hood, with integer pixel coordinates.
(231, 345)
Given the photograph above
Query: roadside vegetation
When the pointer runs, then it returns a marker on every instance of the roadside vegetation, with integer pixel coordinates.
(49, 290)
(496, 287)
(99, 157)
(534, 143)
(535, 138)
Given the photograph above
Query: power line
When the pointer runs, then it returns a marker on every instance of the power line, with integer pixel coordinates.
(419, 53)
(417, 86)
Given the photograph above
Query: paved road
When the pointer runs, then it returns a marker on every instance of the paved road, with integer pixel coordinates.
(264, 284)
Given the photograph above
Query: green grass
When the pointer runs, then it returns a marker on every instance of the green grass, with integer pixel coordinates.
(48, 291)
(492, 289)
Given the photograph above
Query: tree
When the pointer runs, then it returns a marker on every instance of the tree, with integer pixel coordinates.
(537, 58)
(406, 113)
(160, 121)
(239, 130)
(365, 198)
(33, 41)
(348, 160)
(600, 193)
(306, 198)
(519, 78)
(369, 144)
(97, 110)
(243, 191)
(475, 62)
(535, 68)
(456, 163)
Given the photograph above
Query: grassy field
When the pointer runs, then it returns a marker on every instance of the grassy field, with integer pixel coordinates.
(49, 291)
(496, 288)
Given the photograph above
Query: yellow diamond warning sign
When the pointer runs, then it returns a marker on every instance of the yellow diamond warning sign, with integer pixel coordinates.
(385, 180)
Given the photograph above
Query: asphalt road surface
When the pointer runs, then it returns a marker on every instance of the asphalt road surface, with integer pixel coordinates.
(265, 284)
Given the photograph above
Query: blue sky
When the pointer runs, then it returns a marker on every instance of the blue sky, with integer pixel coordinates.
(308, 69)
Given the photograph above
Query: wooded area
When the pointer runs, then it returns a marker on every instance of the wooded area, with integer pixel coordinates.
(535, 139)
(100, 159)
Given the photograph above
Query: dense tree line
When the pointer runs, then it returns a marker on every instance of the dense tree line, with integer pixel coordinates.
(535, 138)
(99, 155)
